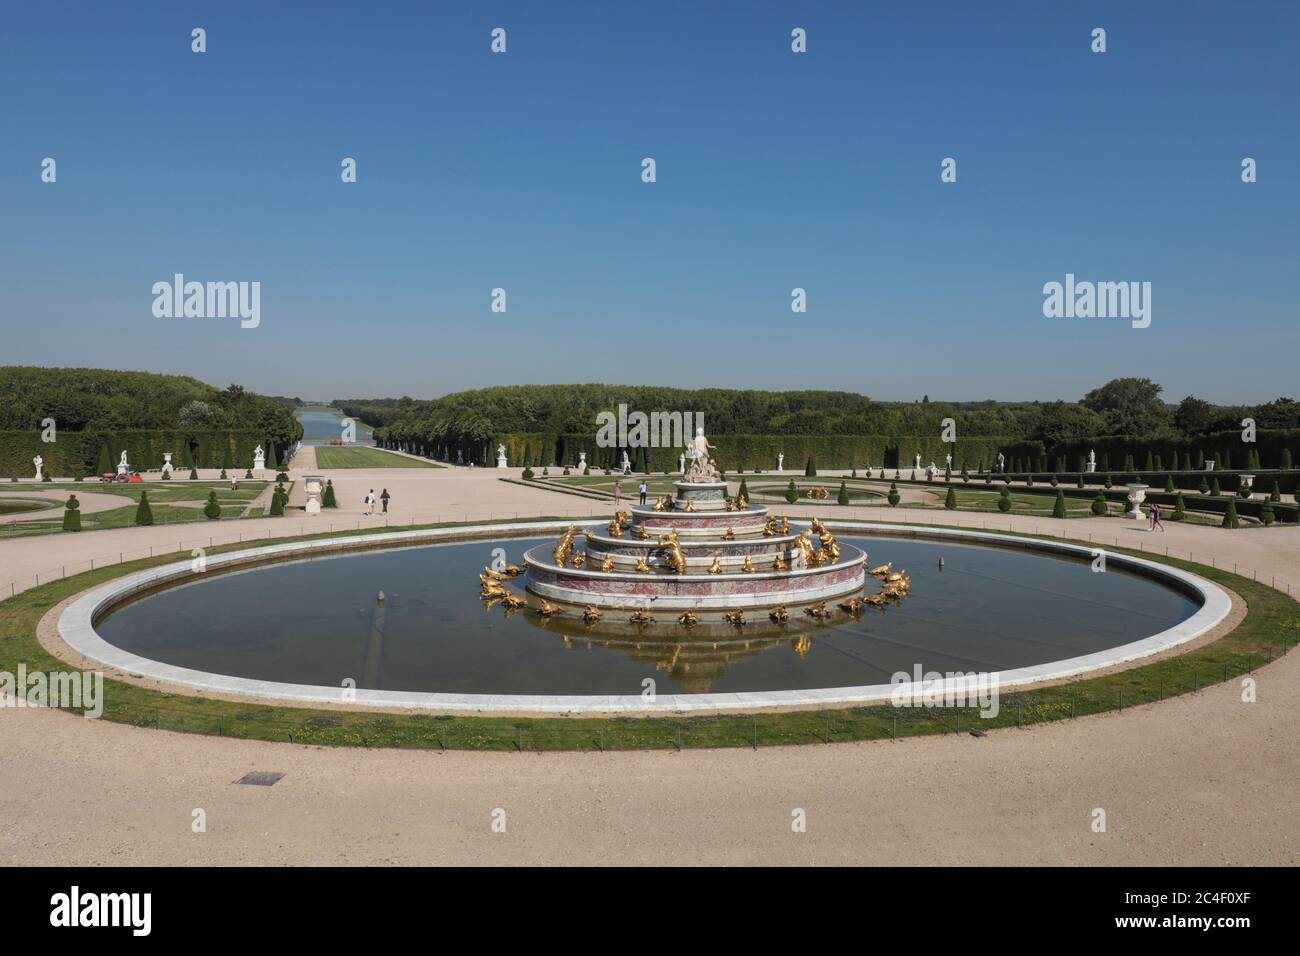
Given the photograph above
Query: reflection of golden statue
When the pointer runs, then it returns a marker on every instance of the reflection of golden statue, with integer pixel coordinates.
(801, 645)
(716, 566)
(564, 547)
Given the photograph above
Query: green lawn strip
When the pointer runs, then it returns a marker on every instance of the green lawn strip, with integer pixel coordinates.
(1271, 626)
(337, 456)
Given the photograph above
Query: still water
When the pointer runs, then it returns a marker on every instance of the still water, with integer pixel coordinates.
(324, 425)
(317, 622)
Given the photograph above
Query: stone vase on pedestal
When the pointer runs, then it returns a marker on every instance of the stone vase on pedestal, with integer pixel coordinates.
(1137, 493)
(313, 485)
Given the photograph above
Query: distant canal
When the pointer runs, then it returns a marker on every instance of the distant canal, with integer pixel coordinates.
(320, 426)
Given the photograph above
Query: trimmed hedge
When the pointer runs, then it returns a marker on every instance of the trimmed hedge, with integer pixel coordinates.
(78, 454)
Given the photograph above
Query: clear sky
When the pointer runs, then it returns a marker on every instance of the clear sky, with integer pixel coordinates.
(775, 170)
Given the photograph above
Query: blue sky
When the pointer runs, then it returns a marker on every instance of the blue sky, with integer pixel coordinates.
(775, 170)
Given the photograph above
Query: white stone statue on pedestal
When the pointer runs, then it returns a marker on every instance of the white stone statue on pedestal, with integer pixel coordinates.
(167, 463)
(948, 461)
(582, 459)
(703, 468)
(917, 463)
(627, 464)
(1092, 461)
(39, 462)
(122, 466)
(259, 460)
(501, 456)
(681, 463)
(780, 462)
(1002, 462)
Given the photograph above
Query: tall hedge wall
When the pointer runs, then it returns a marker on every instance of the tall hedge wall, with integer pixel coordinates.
(80, 453)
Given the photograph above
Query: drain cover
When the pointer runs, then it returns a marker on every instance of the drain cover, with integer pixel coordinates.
(260, 778)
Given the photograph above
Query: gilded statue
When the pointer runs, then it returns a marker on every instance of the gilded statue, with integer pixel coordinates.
(564, 547)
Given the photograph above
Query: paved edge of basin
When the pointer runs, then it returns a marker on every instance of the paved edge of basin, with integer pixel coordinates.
(76, 627)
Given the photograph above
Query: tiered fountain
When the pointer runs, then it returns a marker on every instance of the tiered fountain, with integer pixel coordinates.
(698, 552)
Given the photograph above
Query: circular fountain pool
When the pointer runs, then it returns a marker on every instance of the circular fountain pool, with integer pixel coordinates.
(304, 628)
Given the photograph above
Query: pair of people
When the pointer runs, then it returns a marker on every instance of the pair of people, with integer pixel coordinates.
(1155, 516)
(370, 501)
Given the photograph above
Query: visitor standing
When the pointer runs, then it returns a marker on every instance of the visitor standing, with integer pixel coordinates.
(384, 498)
(642, 490)
(370, 502)
(618, 491)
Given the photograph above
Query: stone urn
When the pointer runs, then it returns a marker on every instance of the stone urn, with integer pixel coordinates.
(1247, 486)
(314, 485)
(1137, 493)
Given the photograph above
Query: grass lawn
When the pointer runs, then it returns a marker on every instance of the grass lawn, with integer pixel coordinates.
(340, 456)
(1271, 627)
(163, 498)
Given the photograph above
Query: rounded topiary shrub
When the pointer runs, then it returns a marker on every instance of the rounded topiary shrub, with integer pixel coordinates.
(143, 513)
(894, 497)
(166, 476)
(791, 492)
(212, 510)
(1266, 514)
(277, 503)
(1004, 501)
(1099, 506)
(248, 473)
(72, 514)
(843, 496)
(224, 476)
(528, 473)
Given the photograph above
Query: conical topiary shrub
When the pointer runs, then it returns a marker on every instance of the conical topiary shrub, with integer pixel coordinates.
(329, 499)
(1180, 509)
(1215, 490)
(950, 500)
(143, 513)
(1276, 494)
(1099, 506)
(1203, 487)
(248, 474)
(277, 503)
(843, 496)
(743, 491)
(810, 469)
(72, 514)
(1058, 509)
(1230, 516)
(212, 510)
(194, 475)
(893, 498)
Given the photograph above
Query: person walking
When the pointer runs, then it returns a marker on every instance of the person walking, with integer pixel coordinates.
(642, 490)
(370, 502)
(618, 491)
(1155, 519)
(384, 498)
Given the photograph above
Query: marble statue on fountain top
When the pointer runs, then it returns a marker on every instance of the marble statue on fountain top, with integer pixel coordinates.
(703, 468)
